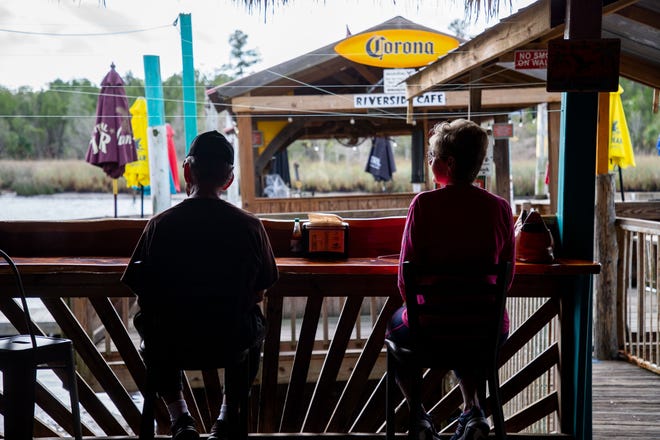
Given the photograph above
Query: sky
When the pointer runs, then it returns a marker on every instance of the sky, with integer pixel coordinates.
(43, 40)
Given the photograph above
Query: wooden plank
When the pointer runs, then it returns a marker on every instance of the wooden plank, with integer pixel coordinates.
(347, 406)
(532, 371)
(93, 359)
(213, 391)
(316, 419)
(88, 398)
(519, 97)
(246, 161)
(132, 360)
(626, 401)
(530, 327)
(295, 401)
(541, 408)
(268, 401)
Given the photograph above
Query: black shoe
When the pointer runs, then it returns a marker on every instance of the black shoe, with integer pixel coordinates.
(219, 430)
(184, 428)
(425, 429)
(472, 425)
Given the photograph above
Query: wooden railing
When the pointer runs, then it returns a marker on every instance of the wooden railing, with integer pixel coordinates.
(297, 401)
(638, 291)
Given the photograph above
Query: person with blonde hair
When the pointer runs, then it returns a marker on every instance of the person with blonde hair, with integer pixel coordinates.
(457, 222)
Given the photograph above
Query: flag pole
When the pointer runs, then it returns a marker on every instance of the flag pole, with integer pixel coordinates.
(115, 190)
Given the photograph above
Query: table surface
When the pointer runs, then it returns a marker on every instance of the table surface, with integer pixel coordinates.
(386, 265)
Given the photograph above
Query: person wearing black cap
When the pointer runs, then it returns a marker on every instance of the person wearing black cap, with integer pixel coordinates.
(202, 266)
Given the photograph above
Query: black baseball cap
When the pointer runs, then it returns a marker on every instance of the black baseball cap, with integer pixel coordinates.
(212, 145)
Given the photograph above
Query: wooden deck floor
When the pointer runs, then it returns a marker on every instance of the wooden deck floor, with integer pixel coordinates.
(626, 401)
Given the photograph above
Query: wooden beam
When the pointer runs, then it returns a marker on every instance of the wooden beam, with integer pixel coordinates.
(639, 70)
(246, 160)
(641, 15)
(603, 137)
(531, 23)
(331, 104)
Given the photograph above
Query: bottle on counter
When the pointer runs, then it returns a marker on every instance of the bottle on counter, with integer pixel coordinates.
(296, 237)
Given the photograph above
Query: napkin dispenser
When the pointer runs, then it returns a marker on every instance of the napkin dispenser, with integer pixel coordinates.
(325, 236)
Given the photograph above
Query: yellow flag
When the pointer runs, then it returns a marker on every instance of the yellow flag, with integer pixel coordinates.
(137, 173)
(620, 151)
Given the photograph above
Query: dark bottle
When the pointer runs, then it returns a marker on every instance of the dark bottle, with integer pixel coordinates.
(296, 237)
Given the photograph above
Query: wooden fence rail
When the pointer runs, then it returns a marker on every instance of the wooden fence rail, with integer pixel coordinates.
(638, 292)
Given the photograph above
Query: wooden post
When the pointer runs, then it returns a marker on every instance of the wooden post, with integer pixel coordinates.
(246, 160)
(575, 215)
(605, 336)
(605, 287)
(554, 129)
(501, 160)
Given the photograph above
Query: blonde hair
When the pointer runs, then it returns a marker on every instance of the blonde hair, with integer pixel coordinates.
(463, 140)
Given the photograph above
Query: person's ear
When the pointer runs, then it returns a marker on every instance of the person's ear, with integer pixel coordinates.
(187, 174)
(451, 163)
(229, 181)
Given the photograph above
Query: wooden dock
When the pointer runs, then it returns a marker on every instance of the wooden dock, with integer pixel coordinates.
(626, 401)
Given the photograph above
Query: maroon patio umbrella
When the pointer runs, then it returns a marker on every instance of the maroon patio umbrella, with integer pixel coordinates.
(111, 146)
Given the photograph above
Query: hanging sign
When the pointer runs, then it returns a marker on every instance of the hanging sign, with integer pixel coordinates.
(583, 65)
(384, 100)
(502, 131)
(531, 59)
(394, 80)
(396, 47)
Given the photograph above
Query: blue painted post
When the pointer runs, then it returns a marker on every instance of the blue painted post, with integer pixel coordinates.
(159, 166)
(575, 215)
(188, 80)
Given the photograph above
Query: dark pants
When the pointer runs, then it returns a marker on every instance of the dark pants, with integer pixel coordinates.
(169, 378)
(398, 331)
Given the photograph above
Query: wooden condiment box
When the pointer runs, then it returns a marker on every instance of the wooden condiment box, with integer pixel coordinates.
(325, 241)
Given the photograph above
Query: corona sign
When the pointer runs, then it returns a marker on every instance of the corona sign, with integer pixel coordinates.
(396, 48)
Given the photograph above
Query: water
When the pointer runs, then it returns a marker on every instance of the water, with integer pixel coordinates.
(74, 206)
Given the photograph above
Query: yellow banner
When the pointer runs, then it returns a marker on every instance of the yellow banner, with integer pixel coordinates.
(137, 173)
(621, 150)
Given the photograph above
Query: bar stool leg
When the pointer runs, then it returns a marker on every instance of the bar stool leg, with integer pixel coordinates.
(19, 392)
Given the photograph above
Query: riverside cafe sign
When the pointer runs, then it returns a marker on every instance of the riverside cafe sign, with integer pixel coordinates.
(398, 51)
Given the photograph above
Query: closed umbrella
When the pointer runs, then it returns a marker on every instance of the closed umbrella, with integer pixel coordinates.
(381, 159)
(111, 146)
(620, 149)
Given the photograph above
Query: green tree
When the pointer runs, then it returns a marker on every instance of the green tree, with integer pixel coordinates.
(459, 28)
(240, 58)
(643, 124)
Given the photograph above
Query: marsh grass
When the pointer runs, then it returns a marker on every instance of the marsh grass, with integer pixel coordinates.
(28, 178)
(57, 176)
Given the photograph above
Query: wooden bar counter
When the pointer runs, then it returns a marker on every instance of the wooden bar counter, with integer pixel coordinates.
(322, 369)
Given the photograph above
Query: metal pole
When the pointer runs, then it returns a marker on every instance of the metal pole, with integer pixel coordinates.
(159, 167)
(188, 80)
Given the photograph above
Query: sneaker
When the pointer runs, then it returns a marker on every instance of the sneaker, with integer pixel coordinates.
(219, 430)
(425, 429)
(184, 428)
(472, 425)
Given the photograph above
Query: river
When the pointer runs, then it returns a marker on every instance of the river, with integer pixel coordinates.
(73, 206)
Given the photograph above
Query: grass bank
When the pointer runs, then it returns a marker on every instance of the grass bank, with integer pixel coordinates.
(28, 178)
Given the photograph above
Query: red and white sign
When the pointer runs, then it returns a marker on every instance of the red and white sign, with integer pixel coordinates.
(502, 131)
(531, 59)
